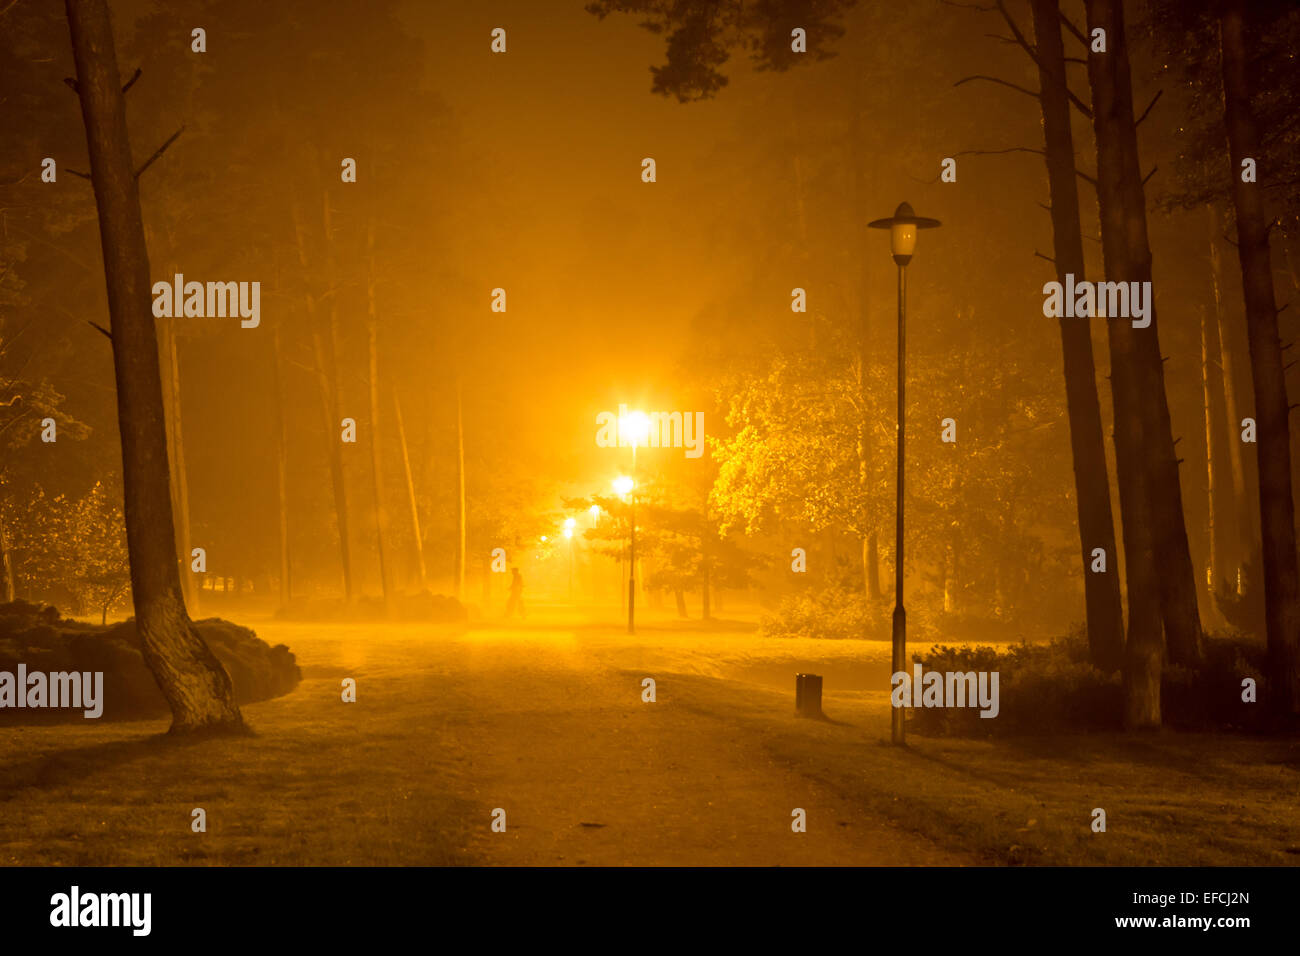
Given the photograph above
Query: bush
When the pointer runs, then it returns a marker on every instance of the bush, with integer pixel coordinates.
(41, 639)
(837, 614)
(1053, 689)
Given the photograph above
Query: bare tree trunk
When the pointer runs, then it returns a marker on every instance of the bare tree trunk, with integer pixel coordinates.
(706, 603)
(421, 569)
(1276, 506)
(1103, 605)
(376, 457)
(282, 471)
(196, 685)
(327, 387)
(1216, 566)
(180, 479)
(10, 589)
(1111, 104)
(1243, 511)
(461, 514)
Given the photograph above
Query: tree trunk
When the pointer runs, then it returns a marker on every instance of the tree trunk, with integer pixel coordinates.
(1243, 511)
(1276, 506)
(706, 608)
(10, 589)
(1177, 580)
(196, 685)
(282, 471)
(376, 457)
(176, 448)
(1142, 654)
(421, 569)
(871, 565)
(1217, 577)
(461, 514)
(1103, 605)
(327, 386)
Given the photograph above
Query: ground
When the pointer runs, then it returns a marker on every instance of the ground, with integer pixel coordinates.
(545, 720)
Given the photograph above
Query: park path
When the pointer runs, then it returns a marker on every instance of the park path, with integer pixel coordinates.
(554, 731)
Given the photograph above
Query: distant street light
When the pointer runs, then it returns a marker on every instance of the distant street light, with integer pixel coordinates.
(902, 226)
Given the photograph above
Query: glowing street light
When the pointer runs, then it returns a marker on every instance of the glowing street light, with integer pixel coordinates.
(622, 485)
(902, 226)
(635, 428)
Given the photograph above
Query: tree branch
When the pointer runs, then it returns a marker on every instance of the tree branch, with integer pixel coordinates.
(105, 331)
(999, 152)
(994, 79)
(76, 172)
(1159, 93)
(134, 76)
(1069, 25)
(158, 152)
(1150, 174)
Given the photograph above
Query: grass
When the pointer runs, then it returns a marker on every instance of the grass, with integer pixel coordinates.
(547, 720)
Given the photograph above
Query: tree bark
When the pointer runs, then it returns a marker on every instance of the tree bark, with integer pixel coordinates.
(195, 684)
(1276, 506)
(1102, 602)
(376, 457)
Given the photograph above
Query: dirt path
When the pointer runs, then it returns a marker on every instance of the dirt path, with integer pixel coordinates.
(557, 735)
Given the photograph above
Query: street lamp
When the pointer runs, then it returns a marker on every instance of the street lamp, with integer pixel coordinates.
(635, 426)
(902, 226)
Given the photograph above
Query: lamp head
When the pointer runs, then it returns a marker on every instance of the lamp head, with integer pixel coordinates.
(903, 226)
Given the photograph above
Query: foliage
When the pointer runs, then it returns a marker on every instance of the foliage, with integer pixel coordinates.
(701, 34)
(1053, 689)
(73, 549)
(834, 613)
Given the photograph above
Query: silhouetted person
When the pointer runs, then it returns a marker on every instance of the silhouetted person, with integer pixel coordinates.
(516, 602)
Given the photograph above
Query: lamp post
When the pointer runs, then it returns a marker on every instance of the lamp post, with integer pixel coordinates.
(624, 486)
(635, 427)
(902, 226)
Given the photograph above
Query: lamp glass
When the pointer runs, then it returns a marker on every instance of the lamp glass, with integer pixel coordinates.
(902, 238)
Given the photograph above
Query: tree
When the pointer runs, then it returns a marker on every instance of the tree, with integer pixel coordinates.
(195, 684)
(1096, 523)
(1272, 412)
(99, 565)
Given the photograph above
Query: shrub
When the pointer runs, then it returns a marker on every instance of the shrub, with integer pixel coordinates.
(832, 613)
(1053, 689)
(41, 639)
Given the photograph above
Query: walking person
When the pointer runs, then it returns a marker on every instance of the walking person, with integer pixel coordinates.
(516, 602)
